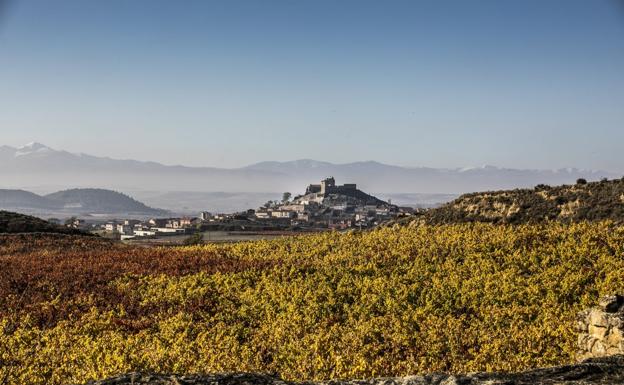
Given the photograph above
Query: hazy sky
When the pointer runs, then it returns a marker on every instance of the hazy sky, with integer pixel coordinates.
(536, 84)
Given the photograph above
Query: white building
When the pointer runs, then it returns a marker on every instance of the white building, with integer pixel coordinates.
(300, 208)
(144, 233)
(167, 230)
(263, 214)
(282, 214)
(125, 229)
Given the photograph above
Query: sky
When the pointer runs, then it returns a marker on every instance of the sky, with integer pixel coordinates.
(521, 84)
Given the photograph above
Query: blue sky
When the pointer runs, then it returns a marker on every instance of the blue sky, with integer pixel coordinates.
(526, 84)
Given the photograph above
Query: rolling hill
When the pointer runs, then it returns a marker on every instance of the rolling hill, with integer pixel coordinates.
(75, 201)
(101, 201)
(26, 199)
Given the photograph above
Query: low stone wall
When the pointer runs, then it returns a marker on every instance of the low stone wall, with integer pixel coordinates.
(601, 329)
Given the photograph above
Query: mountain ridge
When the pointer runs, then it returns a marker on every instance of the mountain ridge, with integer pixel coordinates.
(48, 169)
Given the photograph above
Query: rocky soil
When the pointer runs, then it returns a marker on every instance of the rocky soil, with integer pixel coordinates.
(604, 370)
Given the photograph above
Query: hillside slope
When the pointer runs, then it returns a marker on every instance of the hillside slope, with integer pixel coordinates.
(18, 223)
(101, 201)
(568, 203)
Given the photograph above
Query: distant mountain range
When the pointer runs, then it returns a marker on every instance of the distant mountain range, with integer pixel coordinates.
(75, 202)
(36, 167)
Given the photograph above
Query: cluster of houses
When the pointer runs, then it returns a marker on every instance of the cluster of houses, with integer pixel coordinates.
(156, 227)
(323, 206)
(327, 205)
(132, 228)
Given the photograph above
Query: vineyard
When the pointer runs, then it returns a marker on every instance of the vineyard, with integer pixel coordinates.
(393, 301)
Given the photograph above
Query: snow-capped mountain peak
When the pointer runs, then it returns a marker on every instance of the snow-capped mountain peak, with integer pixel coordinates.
(31, 148)
(485, 167)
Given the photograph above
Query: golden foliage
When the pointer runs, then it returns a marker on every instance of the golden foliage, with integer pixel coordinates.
(393, 301)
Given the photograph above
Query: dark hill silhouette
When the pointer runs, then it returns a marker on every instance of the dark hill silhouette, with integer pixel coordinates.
(74, 201)
(19, 223)
(101, 201)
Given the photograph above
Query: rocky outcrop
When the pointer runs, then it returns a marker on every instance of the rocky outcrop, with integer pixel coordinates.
(601, 329)
(595, 201)
(606, 370)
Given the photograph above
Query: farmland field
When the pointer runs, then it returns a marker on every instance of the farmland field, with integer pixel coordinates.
(392, 301)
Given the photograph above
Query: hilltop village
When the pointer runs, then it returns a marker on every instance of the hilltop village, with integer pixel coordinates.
(327, 205)
(323, 206)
